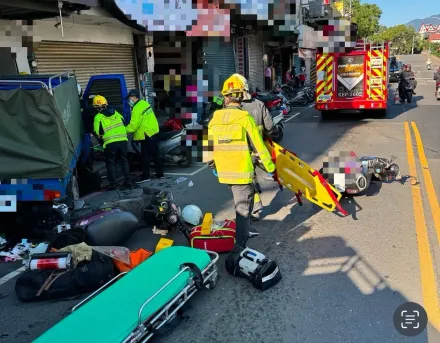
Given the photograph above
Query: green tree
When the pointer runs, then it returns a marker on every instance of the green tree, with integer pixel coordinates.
(365, 15)
(402, 38)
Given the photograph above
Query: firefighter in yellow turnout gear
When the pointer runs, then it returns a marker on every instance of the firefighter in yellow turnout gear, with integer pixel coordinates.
(235, 136)
(259, 112)
(109, 127)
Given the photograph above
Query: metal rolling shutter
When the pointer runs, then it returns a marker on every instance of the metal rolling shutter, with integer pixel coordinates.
(86, 59)
(220, 61)
(255, 53)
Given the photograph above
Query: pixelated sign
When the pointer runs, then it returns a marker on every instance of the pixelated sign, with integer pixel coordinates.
(336, 36)
(8, 203)
(203, 18)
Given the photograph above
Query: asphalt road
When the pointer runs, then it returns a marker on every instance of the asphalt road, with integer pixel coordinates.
(343, 278)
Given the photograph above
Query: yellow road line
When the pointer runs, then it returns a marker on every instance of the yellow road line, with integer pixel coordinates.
(427, 274)
(429, 185)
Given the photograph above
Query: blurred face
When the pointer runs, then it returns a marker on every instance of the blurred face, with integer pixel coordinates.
(132, 100)
(408, 68)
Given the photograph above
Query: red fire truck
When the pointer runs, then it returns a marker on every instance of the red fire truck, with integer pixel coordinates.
(353, 81)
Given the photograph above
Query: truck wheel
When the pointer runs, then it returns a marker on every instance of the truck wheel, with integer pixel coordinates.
(381, 113)
(326, 115)
(72, 191)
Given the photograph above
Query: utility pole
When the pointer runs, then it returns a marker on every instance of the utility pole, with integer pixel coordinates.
(350, 11)
(412, 50)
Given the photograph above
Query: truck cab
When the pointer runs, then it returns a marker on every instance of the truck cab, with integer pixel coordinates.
(45, 134)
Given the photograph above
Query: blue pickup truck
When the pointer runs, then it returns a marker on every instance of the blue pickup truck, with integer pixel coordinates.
(46, 155)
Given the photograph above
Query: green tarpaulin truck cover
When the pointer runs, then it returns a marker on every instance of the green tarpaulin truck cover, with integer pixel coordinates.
(39, 132)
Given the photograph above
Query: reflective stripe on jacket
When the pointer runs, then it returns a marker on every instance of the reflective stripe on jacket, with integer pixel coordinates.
(113, 127)
(234, 132)
(143, 121)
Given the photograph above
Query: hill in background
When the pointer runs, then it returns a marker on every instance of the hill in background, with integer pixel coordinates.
(416, 23)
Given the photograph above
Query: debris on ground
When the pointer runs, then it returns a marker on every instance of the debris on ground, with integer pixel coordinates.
(190, 184)
(181, 179)
(2, 243)
(17, 252)
(157, 231)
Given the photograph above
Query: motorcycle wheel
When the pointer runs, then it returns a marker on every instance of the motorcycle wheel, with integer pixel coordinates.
(278, 137)
(186, 162)
(409, 97)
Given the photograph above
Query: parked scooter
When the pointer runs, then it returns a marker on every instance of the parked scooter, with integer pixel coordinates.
(271, 100)
(170, 148)
(278, 132)
(406, 89)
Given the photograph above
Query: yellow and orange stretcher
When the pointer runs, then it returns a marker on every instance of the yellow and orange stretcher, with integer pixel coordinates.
(293, 173)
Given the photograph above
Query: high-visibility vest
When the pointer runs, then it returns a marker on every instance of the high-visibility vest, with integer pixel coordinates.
(113, 127)
(230, 129)
(143, 121)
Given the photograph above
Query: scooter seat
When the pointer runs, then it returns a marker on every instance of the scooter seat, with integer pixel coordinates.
(163, 136)
(269, 97)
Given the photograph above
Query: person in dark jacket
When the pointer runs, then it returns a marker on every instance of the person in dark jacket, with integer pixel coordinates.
(436, 78)
(406, 74)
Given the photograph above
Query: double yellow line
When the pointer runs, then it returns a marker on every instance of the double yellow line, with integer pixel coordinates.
(428, 278)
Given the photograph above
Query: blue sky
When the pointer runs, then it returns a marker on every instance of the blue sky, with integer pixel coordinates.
(403, 11)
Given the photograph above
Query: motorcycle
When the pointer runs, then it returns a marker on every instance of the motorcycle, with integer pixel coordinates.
(372, 168)
(278, 132)
(428, 67)
(302, 98)
(272, 100)
(170, 147)
(437, 90)
(406, 89)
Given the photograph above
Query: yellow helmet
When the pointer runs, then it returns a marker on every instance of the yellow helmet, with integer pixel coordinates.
(244, 81)
(99, 101)
(234, 86)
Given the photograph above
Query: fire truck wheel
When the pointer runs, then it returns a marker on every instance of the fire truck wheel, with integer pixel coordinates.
(381, 113)
(327, 115)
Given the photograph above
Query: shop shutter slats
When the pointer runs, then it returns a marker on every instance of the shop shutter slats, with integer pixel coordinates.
(86, 60)
(256, 67)
(220, 62)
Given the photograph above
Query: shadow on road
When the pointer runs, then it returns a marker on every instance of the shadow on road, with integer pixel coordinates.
(329, 293)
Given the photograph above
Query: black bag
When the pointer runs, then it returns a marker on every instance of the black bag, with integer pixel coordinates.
(65, 238)
(88, 276)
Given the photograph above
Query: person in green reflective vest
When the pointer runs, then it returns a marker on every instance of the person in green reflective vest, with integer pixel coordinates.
(145, 128)
(109, 127)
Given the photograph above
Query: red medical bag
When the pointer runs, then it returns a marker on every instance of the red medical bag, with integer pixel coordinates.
(221, 239)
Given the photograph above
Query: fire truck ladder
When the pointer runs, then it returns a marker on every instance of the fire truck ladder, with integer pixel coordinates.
(370, 47)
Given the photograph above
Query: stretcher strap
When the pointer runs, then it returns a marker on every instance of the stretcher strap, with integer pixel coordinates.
(330, 192)
(198, 277)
